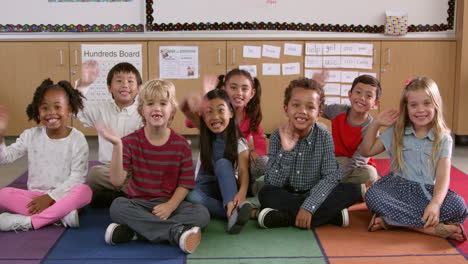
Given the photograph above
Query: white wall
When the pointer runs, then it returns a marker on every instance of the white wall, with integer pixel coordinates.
(44, 12)
(364, 12)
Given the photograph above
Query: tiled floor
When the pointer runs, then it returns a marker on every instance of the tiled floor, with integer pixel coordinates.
(10, 172)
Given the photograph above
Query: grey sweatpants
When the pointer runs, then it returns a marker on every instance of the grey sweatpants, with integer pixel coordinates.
(137, 214)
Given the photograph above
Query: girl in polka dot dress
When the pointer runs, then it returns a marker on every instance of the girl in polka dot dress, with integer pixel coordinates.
(415, 194)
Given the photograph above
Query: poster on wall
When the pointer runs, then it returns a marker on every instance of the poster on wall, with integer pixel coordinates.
(178, 62)
(106, 56)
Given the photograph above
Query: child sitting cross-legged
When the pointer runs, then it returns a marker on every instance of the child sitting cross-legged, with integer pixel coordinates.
(158, 163)
(302, 182)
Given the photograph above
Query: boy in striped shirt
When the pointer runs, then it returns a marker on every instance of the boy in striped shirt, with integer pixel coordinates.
(157, 163)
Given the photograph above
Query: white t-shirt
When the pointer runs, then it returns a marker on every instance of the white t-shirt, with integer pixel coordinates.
(123, 122)
(54, 165)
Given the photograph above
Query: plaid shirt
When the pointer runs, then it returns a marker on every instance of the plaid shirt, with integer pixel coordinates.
(311, 167)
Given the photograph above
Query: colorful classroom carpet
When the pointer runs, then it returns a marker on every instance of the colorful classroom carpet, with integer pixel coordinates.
(326, 244)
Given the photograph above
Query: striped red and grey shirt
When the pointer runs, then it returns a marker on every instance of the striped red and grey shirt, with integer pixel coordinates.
(156, 171)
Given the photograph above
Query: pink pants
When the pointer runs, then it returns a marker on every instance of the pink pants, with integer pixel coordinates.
(15, 200)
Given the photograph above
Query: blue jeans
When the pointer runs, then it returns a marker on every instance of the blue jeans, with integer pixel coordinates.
(215, 191)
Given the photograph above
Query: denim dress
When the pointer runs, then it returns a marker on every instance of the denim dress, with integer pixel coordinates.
(400, 198)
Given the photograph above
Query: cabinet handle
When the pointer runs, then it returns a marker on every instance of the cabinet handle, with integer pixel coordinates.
(76, 57)
(233, 56)
(388, 56)
(373, 57)
(219, 57)
(61, 56)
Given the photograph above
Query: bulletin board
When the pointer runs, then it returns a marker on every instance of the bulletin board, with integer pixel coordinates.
(362, 16)
(72, 16)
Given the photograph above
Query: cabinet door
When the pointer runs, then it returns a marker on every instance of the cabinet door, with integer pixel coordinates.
(211, 60)
(406, 59)
(24, 65)
(75, 66)
(273, 86)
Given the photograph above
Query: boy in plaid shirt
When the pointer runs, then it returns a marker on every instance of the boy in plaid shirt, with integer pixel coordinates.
(302, 182)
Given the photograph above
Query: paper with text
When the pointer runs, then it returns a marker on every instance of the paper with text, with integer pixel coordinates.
(108, 55)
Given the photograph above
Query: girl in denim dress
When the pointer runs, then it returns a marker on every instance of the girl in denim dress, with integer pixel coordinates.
(415, 194)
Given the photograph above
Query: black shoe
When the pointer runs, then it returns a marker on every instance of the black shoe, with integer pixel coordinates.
(341, 219)
(239, 217)
(104, 198)
(117, 234)
(271, 218)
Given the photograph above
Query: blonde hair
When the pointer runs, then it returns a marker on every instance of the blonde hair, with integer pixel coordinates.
(438, 124)
(157, 88)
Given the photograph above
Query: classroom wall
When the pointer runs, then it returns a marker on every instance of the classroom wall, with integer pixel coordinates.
(356, 12)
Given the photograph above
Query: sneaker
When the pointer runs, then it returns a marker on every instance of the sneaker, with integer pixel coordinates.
(190, 238)
(271, 218)
(239, 217)
(13, 222)
(71, 219)
(342, 219)
(117, 234)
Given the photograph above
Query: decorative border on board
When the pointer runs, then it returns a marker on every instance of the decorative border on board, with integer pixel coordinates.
(72, 28)
(291, 26)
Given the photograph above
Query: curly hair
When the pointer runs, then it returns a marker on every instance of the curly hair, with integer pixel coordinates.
(307, 84)
(75, 98)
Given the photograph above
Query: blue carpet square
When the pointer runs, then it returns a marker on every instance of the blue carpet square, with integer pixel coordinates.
(86, 245)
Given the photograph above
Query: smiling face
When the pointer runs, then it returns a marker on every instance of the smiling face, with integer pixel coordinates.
(54, 110)
(217, 115)
(157, 111)
(124, 88)
(240, 90)
(421, 110)
(363, 97)
(303, 110)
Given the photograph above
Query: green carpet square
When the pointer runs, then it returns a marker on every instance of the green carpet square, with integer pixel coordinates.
(256, 245)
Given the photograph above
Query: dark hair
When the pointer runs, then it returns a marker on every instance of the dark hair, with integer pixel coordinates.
(124, 67)
(308, 84)
(369, 80)
(207, 136)
(75, 98)
(253, 108)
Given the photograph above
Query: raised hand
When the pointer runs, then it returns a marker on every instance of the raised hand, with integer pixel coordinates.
(321, 76)
(89, 73)
(209, 83)
(387, 117)
(107, 132)
(4, 117)
(289, 137)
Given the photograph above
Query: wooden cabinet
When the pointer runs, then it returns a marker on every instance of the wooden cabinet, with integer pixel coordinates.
(75, 68)
(211, 60)
(406, 59)
(273, 86)
(24, 65)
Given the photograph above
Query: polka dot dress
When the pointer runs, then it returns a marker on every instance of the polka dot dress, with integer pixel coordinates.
(402, 202)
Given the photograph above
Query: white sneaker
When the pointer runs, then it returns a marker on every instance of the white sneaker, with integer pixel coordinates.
(13, 222)
(71, 220)
(190, 239)
(345, 217)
